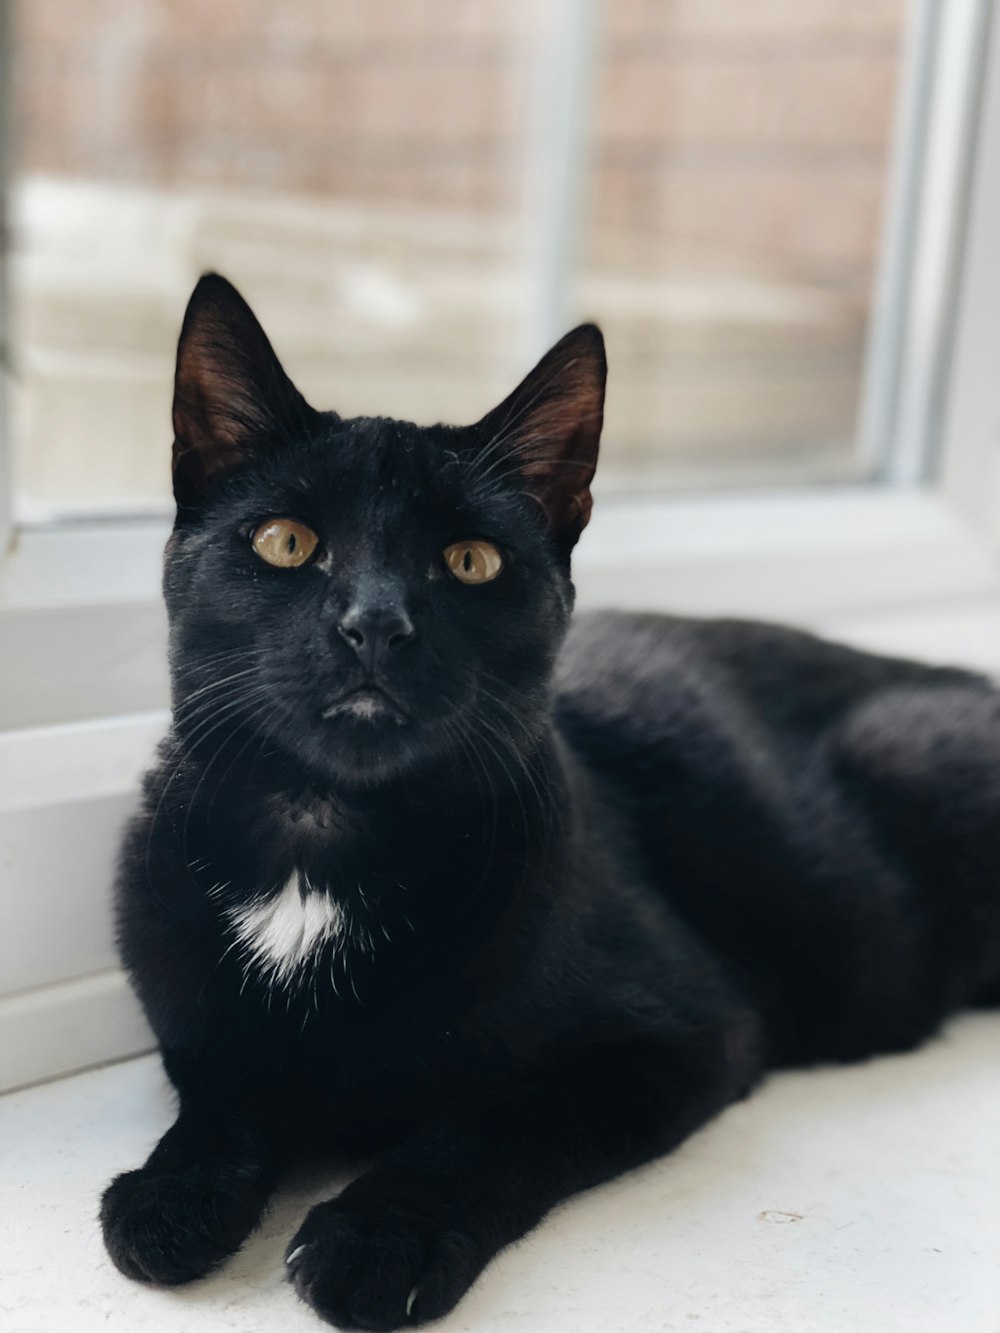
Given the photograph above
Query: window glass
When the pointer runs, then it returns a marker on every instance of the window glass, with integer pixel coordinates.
(740, 157)
(368, 174)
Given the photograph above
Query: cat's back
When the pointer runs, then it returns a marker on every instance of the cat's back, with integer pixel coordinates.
(734, 732)
(820, 815)
(642, 681)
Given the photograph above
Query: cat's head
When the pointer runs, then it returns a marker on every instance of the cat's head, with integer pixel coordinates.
(364, 595)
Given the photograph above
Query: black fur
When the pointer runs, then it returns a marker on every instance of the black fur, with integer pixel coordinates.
(594, 885)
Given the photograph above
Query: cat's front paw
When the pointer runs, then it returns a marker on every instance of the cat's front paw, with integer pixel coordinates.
(381, 1263)
(170, 1228)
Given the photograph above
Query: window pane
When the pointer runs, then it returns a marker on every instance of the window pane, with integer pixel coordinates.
(740, 159)
(356, 169)
(367, 173)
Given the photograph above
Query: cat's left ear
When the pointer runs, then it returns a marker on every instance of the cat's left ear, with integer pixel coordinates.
(232, 399)
(545, 435)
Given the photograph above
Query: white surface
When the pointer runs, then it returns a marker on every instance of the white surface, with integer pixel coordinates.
(834, 1200)
(64, 795)
(70, 1025)
(789, 554)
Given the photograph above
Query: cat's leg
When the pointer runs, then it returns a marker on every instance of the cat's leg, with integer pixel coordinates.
(197, 1198)
(403, 1243)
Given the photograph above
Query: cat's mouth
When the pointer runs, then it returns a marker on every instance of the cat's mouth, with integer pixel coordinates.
(367, 703)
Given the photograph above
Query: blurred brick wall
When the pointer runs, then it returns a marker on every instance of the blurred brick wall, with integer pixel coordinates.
(371, 154)
(757, 128)
(751, 131)
(388, 99)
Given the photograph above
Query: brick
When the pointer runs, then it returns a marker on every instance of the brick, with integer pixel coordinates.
(799, 220)
(757, 18)
(831, 102)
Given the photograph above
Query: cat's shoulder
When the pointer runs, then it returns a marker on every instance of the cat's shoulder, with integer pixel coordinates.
(724, 668)
(624, 641)
(609, 643)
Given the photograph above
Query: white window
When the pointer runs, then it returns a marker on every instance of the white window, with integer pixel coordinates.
(784, 216)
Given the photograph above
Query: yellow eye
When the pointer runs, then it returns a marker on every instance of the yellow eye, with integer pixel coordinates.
(284, 542)
(473, 562)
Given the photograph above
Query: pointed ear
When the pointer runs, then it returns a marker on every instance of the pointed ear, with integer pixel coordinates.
(232, 399)
(545, 436)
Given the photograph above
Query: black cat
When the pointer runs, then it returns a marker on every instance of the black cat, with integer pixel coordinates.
(423, 878)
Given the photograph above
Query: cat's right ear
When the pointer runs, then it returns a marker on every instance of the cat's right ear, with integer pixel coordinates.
(232, 399)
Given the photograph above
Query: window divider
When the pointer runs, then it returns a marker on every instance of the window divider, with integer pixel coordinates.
(6, 450)
(908, 355)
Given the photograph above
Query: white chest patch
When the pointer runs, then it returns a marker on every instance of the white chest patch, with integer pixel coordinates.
(283, 931)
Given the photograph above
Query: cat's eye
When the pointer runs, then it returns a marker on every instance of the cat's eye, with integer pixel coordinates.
(473, 562)
(284, 542)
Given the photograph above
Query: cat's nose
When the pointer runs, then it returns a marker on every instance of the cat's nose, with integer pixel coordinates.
(375, 632)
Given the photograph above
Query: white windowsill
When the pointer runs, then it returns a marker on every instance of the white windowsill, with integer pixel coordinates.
(899, 572)
(782, 549)
(860, 1198)
(82, 618)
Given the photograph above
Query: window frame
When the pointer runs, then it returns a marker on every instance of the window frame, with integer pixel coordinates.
(917, 394)
(6, 451)
(923, 528)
